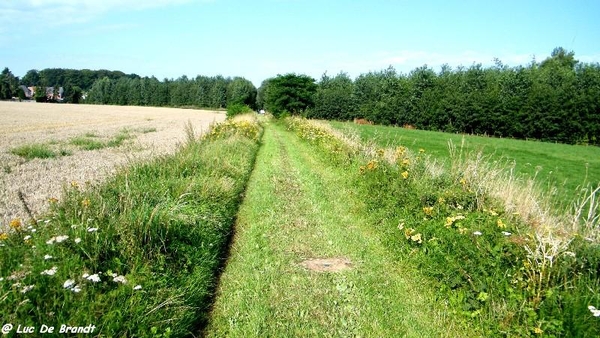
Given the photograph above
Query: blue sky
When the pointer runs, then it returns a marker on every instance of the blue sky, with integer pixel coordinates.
(262, 38)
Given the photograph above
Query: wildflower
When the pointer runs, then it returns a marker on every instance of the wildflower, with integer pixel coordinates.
(421, 150)
(26, 238)
(137, 287)
(506, 233)
(501, 224)
(538, 330)
(416, 238)
(33, 230)
(408, 232)
(60, 239)
(400, 151)
(361, 169)
(77, 240)
(3, 236)
(16, 223)
(372, 165)
(74, 184)
(428, 210)
(69, 283)
(405, 175)
(47, 257)
(406, 161)
(53, 200)
(120, 279)
(49, 272)
(76, 289)
(595, 312)
(1, 279)
(92, 229)
(85, 203)
(94, 278)
(85, 275)
(401, 225)
(477, 233)
(463, 181)
(27, 288)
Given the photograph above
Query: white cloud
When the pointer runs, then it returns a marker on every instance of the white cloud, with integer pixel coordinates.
(52, 13)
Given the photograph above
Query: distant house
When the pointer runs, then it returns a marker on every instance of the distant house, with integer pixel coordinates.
(50, 95)
(28, 91)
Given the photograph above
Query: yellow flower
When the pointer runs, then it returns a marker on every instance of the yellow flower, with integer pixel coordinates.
(3, 236)
(463, 181)
(380, 152)
(400, 151)
(421, 150)
(405, 174)
(372, 165)
(416, 238)
(538, 330)
(449, 221)
(53, 200)
(406, 161)
(408, 232)
(361, 169)
(428, 210)
(74, 184)
(16, 223)
(501, 225)
(85, 203)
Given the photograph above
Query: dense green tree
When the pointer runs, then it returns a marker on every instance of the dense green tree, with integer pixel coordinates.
(31, 78)
(9, 84)
(334, 98)
(241, 91)
(290, 93)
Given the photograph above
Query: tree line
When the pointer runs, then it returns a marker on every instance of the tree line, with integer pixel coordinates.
(556, 100)
(202, 91)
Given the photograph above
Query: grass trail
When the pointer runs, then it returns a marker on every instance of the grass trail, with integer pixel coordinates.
(299, 206)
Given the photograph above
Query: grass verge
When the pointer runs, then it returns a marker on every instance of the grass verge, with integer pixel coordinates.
(504, 260)
(38, 150)
(303, 204)
(138, 255)
(560, 169)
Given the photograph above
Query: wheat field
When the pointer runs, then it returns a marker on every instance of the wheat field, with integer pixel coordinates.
(151, 132)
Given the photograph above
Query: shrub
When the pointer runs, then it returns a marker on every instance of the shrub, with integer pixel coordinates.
(238, 109)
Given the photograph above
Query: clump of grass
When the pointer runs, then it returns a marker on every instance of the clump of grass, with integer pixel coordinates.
(34, 150)
(136, 254)
(90, 141)
(148, 130)
(503, 258)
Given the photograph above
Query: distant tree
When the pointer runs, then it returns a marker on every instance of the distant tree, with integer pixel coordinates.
(31, 78)
(334, 98)
(8, 84)
(290, 93)
(261, 94)
(241, 91)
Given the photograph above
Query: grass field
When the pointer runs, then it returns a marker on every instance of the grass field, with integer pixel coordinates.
(565, 167)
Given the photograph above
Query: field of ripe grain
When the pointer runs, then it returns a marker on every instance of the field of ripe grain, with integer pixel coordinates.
(150, 132)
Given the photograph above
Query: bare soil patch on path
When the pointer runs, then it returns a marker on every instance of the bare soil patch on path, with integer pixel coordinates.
(153, 132)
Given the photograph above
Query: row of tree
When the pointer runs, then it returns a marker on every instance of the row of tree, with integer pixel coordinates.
(203, 91)
(556, 100)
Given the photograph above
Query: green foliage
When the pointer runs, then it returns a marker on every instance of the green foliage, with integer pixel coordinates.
(8, 84)
(241, 91)
(556, 100)
(496, 270)
(35, 150)
(289, 93)
(237, 109)
(139, 250)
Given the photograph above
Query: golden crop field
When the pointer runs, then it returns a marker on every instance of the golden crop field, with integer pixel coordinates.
(67, 130)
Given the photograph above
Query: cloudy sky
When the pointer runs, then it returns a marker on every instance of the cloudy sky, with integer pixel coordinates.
(262, 38)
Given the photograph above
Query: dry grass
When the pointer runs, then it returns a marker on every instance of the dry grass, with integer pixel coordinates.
(41, 179)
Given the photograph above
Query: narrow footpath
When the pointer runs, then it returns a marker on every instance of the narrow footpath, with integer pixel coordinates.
(305, 263)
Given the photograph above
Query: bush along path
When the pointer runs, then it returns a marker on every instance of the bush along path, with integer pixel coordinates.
(138, 255)
(306, 261)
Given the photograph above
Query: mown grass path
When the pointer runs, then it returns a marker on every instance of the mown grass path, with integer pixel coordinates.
(299, 206)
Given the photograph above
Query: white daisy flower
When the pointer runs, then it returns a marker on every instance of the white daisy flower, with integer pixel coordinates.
(94, 278)
(47, 257)
(477, 233)
(120, 279)
(49, 272)
(69, 283)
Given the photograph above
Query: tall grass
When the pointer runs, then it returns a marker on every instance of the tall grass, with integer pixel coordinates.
(136, 256)
(504, 257)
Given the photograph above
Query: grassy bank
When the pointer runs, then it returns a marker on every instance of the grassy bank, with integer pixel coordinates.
(137, 255)
(502, 259)
(560, 169)
(302, 204)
